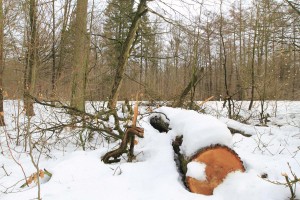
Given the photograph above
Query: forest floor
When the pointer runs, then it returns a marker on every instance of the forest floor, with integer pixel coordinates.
(272, 151)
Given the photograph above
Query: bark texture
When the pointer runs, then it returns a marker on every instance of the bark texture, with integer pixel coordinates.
(128, 138)
(2, 123)
(32, 60)
(80, 57)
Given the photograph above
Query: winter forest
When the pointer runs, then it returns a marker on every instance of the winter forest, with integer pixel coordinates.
(149, 99)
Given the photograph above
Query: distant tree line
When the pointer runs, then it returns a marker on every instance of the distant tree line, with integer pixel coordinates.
(76, 51)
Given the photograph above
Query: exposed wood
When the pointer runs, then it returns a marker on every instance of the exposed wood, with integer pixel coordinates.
(132, 137)
(219, 161)
(206, 100)
(33, 177)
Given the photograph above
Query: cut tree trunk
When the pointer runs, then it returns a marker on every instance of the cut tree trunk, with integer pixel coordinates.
(219, 160)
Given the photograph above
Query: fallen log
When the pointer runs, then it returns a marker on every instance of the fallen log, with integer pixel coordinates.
(218, 161)
(201, 149)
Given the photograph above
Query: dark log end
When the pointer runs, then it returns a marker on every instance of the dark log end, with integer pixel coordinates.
(159, 124)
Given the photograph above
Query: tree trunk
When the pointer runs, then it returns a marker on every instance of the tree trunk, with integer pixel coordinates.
(53, 78)
(194, 80)
(80, 61)
(2, 123)
(252, 63)
(123, 58)
(62, 50)
(228, 97)
(31, 62)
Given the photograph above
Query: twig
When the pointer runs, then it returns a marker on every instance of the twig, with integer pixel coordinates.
(5, 170)
(206, 100)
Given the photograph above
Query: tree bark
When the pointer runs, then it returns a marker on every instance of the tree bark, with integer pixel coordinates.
(62, 50)
(128, 138)
(194, 80)
(228, 97)
(253, 62)
(2, 123)
(53, 77)
(31, 62)
(123, 58)
(80, 60)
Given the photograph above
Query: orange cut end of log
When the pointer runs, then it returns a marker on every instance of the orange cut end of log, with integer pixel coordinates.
(220, 161)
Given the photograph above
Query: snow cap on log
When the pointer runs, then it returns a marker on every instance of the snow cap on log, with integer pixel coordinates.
(198, 130)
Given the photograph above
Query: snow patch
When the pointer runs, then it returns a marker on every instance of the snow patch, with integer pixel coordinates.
(196, 170)
(198, 130)
(249, 186)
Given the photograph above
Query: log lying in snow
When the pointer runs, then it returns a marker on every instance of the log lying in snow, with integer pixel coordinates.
(201, 148)
(202, 151)
(218, 161)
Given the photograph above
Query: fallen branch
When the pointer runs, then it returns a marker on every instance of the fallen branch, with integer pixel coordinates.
(115, 154)
(206, 100)
(128, 138)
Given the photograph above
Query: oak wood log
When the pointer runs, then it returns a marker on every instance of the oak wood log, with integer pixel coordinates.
(219, 160)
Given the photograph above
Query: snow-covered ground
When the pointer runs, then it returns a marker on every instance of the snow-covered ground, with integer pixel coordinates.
(81, 175)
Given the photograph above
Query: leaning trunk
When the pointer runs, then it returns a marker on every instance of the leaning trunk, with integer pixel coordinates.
(123, 58)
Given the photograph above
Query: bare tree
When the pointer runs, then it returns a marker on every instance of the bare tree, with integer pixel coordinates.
(2, 123)
(32, 59)
(126, 49)
(80, 60)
